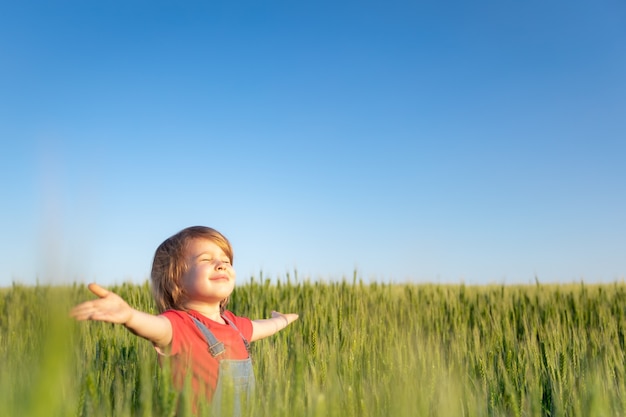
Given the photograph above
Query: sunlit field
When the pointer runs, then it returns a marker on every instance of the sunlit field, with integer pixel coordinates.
(357, 350)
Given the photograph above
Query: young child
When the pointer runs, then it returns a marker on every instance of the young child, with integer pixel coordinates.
(192, 278)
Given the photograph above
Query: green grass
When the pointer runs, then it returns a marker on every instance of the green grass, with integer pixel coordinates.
(357, 350)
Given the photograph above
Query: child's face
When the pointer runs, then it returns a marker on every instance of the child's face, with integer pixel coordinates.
(210, 277)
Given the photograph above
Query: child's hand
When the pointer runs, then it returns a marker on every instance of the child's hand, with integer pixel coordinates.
(109, 307)
(267, 327)
(289, 317)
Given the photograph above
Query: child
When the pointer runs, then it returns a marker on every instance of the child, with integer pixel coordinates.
(192, 279)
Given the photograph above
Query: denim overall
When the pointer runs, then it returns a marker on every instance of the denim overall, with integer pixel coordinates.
(234, 376)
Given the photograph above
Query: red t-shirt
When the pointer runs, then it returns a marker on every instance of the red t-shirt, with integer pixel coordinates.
(189, 349)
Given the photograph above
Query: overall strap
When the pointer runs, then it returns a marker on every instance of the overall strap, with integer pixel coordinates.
(215, 346)
(245, 341)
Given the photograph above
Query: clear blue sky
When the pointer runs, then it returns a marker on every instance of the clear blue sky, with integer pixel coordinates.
(425, 141)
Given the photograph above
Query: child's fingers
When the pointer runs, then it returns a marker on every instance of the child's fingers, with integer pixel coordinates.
(98, 290)
(82, 311)
(290, 317)
(93, 310)
(85, 311)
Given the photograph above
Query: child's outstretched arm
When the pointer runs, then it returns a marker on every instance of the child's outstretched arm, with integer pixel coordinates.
(111, 308)
(268, 327)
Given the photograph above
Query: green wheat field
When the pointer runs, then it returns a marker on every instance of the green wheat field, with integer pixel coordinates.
(358, 349)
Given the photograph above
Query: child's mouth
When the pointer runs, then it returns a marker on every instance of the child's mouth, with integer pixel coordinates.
(219, 278)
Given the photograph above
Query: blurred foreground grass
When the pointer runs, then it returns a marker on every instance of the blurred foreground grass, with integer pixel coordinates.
(357, 350)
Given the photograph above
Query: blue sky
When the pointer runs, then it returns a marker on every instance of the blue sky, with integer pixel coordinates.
(447, 141)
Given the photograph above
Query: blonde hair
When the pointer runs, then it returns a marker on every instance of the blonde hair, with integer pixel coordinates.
(169, 266)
